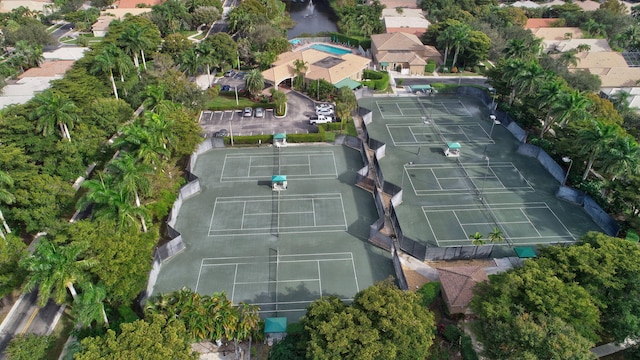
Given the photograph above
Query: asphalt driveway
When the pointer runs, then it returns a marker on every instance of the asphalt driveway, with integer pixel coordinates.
(296, 121)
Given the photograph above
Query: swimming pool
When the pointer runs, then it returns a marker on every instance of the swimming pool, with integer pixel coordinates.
(295, 42)
(330, 49)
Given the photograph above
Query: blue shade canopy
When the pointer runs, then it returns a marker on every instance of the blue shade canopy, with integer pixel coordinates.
(278, 178)
(275, 325)
(454, 145)
(280, 136)
(525, 252)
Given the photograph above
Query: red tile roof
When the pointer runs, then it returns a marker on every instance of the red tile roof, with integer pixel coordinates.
(131, 4)
(539, 23)
(458, 282)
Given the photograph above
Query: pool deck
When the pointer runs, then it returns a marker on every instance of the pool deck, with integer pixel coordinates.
(304, 45)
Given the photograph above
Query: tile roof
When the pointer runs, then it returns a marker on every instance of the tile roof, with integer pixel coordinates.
(132, 4)
(588, 5)
(536, 23)
(48, 69)
(339, 67)
(597, 45)
(392, 4)
(406, 22)
(557, 33)
(396, 41)
(458, 282)
(406, 12)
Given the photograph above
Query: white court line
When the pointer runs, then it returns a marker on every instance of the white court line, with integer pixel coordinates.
(313, 207)
(244, 212)
(309, 163)
(281, 256)
(561, 222)
(380, 110)
(319, 279)
(355, 275)
(398, 106)
(274, 281)
(496, 206)
(235, 276)
(431, 228)
(224, 163)
(199, 274)
(529, 220)
(414, 135)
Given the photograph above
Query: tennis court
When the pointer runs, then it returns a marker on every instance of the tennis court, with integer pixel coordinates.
(446, 199)
(303, 164)
(432, 133)
(280, 250)
(479, 178)
(418, 107)
(275, 277)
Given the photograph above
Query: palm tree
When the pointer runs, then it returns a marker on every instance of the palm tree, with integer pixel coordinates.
(516, 49)
(89, 306)
(134, 39)
(300, 69)
(248, 322)
(279, 99)
(254, 82)
(139, 140)
(571, 106)
(130, 175)
(512, 70)
(154, 94)
(595, 141)
(54, 269)
(105, 62)
(622, 157)
(460, 39)
(445, 39)
(26, 55)
(568, 58)
(547, 98)
(160, 127)
(53, 108)
(621, 101)
(5, 197)
(190, 62)
(476, 240)
(208, 58)
(530, 78)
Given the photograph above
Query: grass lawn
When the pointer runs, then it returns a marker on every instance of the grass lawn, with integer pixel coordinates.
(188, 33)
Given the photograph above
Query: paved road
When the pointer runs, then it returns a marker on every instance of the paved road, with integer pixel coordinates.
(27, 317)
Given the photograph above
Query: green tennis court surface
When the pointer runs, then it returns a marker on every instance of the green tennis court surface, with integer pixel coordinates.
(280, 250)
(489, 185)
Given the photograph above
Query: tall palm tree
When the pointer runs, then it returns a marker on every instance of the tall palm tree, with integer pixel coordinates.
(6, 197)
(53, 108)
(105, 62)
(134, 40)
(154, 94)
(460, 39)
(546, 99)
(530, 78)
(445, 39)
(208, 58)
(512, 70)
(190, 62)
(571, 106)
(300, 69)
(595, 141)
(130, 175)
(622, 157)
(279, 98)
(89, 306)
(54, 269)
(516, 49)
(28, 55)
(254, 82)
(143, 143)
(248, 322)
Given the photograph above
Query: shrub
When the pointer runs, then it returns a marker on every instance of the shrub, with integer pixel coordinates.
(452, 334)
(372, 74)
(466, 348)
(429, 292)
(251, 139)
(430, 67)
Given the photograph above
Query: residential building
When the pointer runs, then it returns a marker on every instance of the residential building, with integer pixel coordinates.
(403, 52)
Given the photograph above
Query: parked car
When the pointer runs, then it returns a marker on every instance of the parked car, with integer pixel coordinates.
(221, 133)
(225, 88)
(259, 112)
(320, 119)
(325, 111)
(248, 112)
(229, 73)
(324, 106)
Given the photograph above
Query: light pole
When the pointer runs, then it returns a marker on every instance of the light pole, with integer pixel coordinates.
(236, 88)
(567, 159)
(494, 122)
(492, 91)
(484, 179)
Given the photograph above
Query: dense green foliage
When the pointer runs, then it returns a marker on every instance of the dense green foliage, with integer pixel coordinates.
(560, 304)
(154, 338)
(29, 347)
(374, 326)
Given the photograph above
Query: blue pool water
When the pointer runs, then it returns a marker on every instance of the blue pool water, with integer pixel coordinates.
(295, 41)
(330, 49)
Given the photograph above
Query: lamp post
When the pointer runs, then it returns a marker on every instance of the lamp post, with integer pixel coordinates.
(236, 88)
(231, 127)
(568, 160)
(494, 122)
(492, 91)
(484, 179)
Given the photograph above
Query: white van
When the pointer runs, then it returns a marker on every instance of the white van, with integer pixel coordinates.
(320, 119)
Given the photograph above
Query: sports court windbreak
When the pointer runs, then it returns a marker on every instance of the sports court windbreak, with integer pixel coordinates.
(446, 199)
(279, 250)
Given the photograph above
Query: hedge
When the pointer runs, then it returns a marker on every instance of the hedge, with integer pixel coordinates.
(466, 348)
(429, 292)
(351, 40)
(430, 67)
(379, 80)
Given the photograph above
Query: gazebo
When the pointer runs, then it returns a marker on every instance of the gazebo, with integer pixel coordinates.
(280, 139)
(275, 329)
(279, 182)
(453, 149)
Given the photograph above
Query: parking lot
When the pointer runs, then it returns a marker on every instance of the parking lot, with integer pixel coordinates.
(236, 79)
(299, 110)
